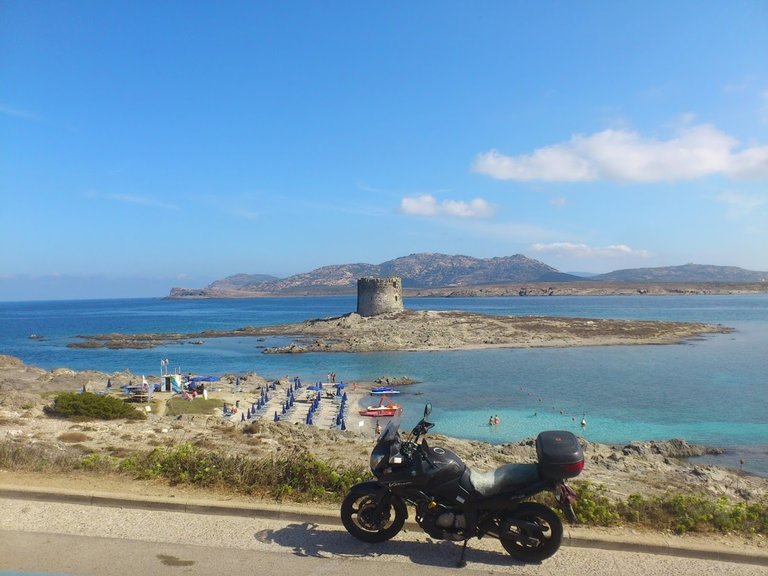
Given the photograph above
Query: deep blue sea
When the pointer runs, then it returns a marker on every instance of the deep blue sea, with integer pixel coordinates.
(712, 390)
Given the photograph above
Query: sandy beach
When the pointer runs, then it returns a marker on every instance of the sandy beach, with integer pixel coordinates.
(636, 468)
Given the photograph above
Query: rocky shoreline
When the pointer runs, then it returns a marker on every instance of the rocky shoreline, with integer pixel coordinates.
(429, 330)
(636, 468)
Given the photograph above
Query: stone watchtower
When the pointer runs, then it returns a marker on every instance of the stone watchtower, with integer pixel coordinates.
(379, 295)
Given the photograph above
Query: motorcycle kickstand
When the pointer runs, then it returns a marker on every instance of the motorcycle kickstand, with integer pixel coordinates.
(462, 563)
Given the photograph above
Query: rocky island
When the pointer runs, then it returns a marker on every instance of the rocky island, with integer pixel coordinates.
(410, 330)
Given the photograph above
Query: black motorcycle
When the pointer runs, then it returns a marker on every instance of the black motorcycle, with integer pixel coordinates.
(455, 503)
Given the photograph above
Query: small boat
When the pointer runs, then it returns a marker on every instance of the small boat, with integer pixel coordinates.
(383, 391)
(378, 412)
(383, 409)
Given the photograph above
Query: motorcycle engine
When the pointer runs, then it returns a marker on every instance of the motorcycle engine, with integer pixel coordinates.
(441, 522)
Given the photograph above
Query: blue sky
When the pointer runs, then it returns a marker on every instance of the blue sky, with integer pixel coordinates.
(145, 145)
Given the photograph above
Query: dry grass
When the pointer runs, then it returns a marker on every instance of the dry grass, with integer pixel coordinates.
(73, 437)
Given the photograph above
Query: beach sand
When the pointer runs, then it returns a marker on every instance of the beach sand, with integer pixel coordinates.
(640, 468)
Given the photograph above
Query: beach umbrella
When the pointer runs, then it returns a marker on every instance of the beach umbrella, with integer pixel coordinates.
(344, 397)
(237, 381)
(283, 410)
(277, 418)
(314, 387)
(343, 424)
(242, 416)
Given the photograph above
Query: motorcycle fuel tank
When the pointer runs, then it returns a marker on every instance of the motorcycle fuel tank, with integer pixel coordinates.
(448, 475)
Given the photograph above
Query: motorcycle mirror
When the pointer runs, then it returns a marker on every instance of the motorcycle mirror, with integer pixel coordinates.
(427, 409)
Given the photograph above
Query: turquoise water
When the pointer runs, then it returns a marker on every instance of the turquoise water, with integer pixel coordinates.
(711, 391)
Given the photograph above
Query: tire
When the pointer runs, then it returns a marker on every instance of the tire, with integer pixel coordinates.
(531, 543)
(361, 519)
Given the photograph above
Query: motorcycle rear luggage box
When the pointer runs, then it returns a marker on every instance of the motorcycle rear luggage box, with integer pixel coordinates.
(559, 454)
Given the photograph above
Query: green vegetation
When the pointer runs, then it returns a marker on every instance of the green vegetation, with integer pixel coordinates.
(88, 406)
(297, 476)
(177, 406)
(679, 513)
(300, 477)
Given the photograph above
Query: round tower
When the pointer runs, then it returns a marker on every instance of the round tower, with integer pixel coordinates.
(379, 295)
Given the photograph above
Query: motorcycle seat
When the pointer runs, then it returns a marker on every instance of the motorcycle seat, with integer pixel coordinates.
(507, 476)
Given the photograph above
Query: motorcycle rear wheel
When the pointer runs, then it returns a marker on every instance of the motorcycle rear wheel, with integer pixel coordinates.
(531, 533)
(362, 517)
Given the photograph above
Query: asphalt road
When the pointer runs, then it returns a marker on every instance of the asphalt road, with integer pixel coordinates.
(78, 539)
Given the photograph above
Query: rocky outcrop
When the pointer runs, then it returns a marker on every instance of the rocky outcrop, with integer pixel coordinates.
(432, 330)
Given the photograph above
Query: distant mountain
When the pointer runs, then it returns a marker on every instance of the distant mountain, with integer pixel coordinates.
(432, 271)
(239, 281)
(685, 273)
(417, 271)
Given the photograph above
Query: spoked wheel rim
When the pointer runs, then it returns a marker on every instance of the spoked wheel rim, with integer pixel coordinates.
(365, 515)
(369, 519)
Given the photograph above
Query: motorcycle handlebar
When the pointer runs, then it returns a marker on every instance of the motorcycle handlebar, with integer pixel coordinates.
(421, 428)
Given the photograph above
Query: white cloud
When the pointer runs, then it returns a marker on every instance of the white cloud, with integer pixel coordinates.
(572, 250)
(623, 155)
(739, 205)
(133, 199)
(19, 113)
(427, 205)
(246, 214)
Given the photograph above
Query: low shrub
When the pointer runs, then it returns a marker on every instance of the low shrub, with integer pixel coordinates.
(298, 476)
(682, 513)
(88, 406)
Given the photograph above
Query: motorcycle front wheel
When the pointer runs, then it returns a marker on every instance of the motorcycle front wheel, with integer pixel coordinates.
(370, 519)
(531, 533)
